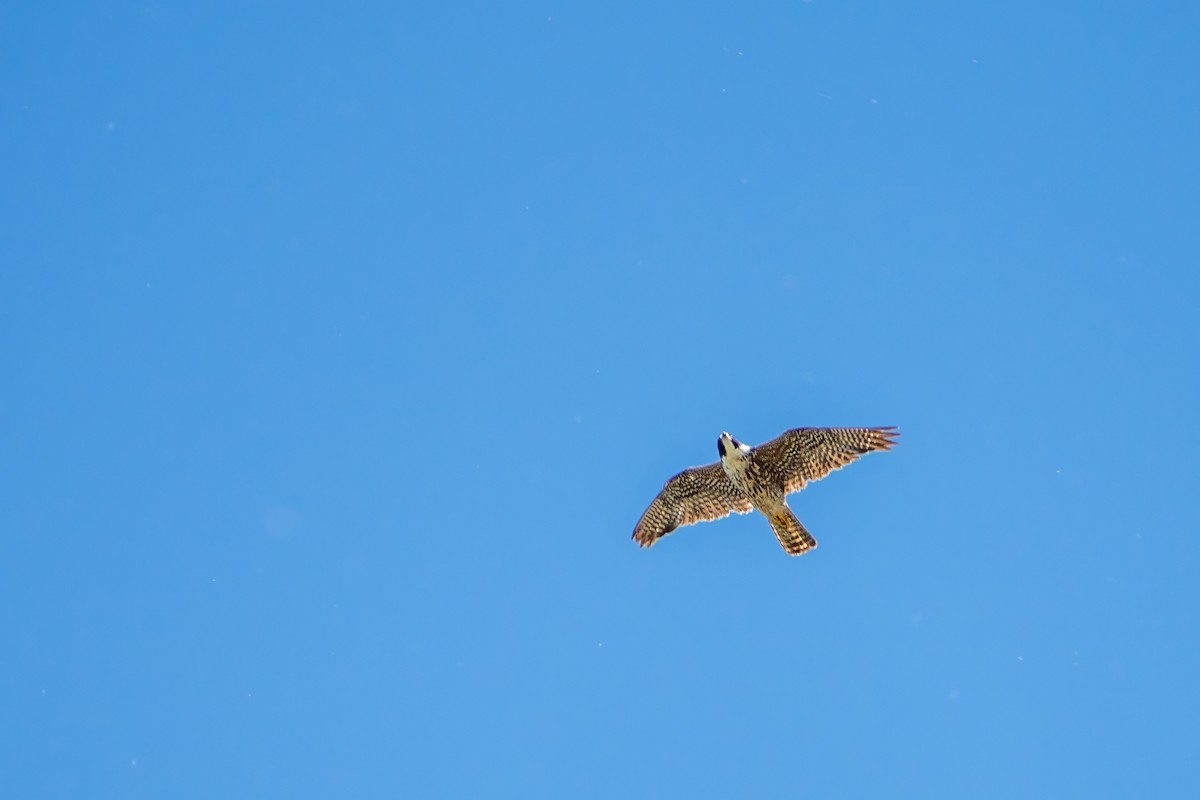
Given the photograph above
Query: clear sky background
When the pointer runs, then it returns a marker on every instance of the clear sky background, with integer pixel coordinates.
(343, 346)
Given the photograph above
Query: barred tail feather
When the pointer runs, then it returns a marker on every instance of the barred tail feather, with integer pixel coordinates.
(796, 540)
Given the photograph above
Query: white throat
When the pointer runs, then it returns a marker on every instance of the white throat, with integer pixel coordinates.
(734, 455)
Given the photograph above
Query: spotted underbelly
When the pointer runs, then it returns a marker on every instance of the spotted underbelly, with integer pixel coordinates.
(752, 480)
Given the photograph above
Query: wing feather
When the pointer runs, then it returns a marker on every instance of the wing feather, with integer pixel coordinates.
(698, 494)
(801, 455)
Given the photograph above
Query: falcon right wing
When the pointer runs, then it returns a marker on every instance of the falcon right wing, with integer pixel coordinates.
(698, 494)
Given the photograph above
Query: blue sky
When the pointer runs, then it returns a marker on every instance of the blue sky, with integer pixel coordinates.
(344, 346)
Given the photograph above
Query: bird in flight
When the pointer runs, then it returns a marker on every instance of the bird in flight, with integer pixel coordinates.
(760, 477)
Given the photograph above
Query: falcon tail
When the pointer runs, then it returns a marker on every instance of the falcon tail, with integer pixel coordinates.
(794, 537)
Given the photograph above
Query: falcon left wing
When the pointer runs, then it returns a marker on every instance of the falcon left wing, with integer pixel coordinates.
(801, 455)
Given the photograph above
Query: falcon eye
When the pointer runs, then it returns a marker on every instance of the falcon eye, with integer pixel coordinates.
(721, 447)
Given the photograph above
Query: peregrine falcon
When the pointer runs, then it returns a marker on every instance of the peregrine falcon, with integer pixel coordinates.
(759, 478)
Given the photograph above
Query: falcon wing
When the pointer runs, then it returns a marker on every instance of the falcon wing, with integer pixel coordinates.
(809, 454)
(698, 494)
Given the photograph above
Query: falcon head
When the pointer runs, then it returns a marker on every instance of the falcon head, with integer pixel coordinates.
(727, 445)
